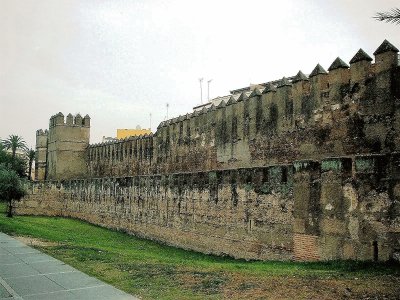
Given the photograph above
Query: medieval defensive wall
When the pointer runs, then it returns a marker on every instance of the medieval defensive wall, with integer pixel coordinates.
(306, 168)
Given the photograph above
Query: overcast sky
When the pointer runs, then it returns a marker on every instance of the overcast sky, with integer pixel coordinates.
(119, 61)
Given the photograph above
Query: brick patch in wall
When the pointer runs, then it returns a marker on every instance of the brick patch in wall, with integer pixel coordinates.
(305, 247)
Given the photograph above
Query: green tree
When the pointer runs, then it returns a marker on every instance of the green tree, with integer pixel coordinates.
(11, 187)
(14, 142)
(392, 16)
(31, 156)
(18, 164)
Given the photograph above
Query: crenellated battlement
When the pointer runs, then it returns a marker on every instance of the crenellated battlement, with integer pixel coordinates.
(69, 120)
(131, 155)
(334, 112)
(304, 167)
(305, 112)
(40, 132)
(327, 87)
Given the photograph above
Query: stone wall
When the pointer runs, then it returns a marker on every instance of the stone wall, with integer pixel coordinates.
(339, 208)
(306, 169)
(348, 111)
(244, 213)
(349, 209)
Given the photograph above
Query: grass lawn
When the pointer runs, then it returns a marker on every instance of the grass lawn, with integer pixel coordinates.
(153, 271)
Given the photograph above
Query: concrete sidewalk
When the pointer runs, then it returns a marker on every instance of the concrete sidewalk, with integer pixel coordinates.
(26, 273)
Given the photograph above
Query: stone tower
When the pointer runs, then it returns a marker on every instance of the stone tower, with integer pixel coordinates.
(67, 143)
(41, 154)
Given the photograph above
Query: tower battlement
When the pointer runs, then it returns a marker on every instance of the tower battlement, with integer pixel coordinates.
(69, 120)
(41, 132)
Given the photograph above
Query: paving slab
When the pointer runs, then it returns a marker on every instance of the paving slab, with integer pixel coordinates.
(20, 249)
(3, 292)
(9, 259)
(74, 280)
(11, 243)
(26, 273)
(34, 257)
(61, 295)
(49, 267)
(36, 284)
(101, 293)
(3, 235)
(4, 251)
(17, 270)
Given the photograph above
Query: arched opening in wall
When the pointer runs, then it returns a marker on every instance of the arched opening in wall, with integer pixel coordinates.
(188, 134)
(180, 139)
(375, 250)
(284, 177)
(249, 178)
(234, 129)
(250, 224)
(273, 118)
(265, 175)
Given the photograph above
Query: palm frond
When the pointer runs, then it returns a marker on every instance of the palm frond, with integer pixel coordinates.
(14, 142)
(392, 16)
(30, 153)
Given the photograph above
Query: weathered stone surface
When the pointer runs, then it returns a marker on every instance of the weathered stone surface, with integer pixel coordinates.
(220, 213)
(308, 168)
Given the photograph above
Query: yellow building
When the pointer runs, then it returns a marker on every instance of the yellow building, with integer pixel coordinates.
(123, 133)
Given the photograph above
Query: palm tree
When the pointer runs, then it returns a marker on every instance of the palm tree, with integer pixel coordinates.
(392, 16)
(31, 156)
(14, 142)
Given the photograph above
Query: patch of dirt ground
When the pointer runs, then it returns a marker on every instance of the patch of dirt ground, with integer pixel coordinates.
(30, 241)
(239, 286)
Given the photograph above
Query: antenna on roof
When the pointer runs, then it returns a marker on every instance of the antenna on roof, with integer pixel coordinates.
(150, 121)
(201, 90)
(167, 110)
(208, 89)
